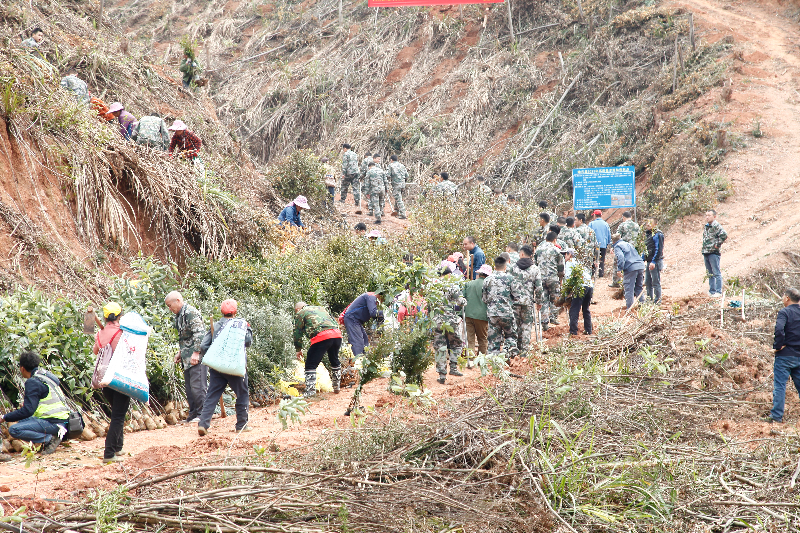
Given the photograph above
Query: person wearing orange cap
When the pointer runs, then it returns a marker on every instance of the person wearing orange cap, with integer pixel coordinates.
(218, 381)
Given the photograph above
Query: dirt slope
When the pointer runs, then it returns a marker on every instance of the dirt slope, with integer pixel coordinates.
(762, 217)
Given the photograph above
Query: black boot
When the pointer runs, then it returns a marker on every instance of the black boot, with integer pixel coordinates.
(454, 370)
(441, 378)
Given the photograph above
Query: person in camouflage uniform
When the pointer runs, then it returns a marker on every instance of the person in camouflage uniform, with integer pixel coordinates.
(398, 174)
(77, 87)
(551, 266)
(552, 216)
(350, 176)
(570, 234)
(500, 291)
(445, 187)
(447, 341)
(529, 280)
(587, 254)
(555, 228)
(544, 228)
(377, 187)
(483, 188)
(713, 237)
(323, 331)
(512, 249)
(629, 232)
(191, 330)
(151, 131)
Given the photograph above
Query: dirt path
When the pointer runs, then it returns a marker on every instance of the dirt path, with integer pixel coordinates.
(762, 217)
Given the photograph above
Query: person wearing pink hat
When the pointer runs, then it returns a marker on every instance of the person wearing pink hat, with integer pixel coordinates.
(376, 237)
(126, 120)
(477, 320)
(218, 381)
(184, 141)
(291, 213)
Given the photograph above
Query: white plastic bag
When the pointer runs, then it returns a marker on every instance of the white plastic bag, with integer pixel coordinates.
(127, 371)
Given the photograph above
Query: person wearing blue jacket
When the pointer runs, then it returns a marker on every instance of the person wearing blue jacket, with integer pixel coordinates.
(654, 257)
(631, 268)
(602, 233)
(787, 352)
(478, 257)
(356, 315)
(291, 213)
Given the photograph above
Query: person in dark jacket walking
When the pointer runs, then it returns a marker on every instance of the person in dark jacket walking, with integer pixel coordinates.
(42, 419)
(478, 257)
(654, 257)
(787, 352)
(218, 381)
(356, 315)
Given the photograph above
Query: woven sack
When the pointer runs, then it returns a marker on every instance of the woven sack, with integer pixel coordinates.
(227, 353)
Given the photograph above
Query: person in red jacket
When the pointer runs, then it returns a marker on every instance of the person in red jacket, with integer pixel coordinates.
(184, 141)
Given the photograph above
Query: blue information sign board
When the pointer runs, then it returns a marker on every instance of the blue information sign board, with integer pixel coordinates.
(603, 188)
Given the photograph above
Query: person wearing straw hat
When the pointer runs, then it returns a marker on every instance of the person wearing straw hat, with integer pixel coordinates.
(291, 213)
(184, 141)
(126, 120)
(218, 381)
(110, 335)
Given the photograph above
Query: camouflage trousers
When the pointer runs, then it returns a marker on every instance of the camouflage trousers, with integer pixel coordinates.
(446, 346)
(376, 204)
(502, 336)
(523, 320)
(351, 180)
(400, 207)
(551, 288)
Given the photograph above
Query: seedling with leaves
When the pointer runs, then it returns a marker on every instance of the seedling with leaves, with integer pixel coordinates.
(291, 410)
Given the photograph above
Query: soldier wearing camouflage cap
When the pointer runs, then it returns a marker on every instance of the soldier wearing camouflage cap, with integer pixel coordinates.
(500, 291)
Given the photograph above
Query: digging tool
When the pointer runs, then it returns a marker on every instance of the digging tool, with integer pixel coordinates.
(222, 413)
(537, 323)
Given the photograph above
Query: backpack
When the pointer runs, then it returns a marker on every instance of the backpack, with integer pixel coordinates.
(103, 359)
(74, 422)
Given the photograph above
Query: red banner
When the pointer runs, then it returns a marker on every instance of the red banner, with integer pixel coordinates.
(399, 3)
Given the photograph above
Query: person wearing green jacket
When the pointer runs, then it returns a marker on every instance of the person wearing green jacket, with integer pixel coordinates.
(475, 313)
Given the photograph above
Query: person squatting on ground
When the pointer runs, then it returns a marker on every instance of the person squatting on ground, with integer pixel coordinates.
(119, 402)
(475, 314)
(529, 279)
(218, 381)
(184, 143)
(580, 304)
(350, 176)
(551, 267)
(291, 213)
(377, 187)
(630, 268)
(324, 335)
(629, 232)
(713, 237)
(356, 315)
(654, 257)
(602, 234)
(42, 419)
(447, 342)
(477, 257)
(787, 352)
(126, 120)
(398, 175)
(500, 291)
(191, 330)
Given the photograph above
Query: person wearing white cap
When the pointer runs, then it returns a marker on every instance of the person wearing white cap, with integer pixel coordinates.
(291, 213)
(184, 141)
(126, 120)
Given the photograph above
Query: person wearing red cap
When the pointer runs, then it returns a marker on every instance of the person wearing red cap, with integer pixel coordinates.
(218, 381)
(602, 233)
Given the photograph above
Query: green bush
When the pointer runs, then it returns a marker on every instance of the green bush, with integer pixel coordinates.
(300, 173)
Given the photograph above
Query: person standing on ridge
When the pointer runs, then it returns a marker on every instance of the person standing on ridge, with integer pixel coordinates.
(602, 233)
(191, 330)
(477, 259)
(787, 352)
(713, 238)
(218, 381)
(377, 187)
(350, 176)
(398, 175)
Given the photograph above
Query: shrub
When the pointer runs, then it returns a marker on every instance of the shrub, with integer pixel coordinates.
(300, 173)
